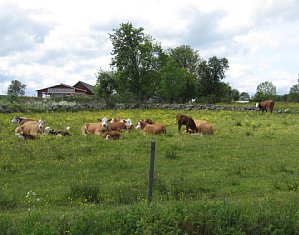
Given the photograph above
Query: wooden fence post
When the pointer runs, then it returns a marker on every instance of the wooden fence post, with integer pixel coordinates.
(151, 171)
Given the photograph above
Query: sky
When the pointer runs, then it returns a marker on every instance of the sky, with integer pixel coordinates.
(47, 42)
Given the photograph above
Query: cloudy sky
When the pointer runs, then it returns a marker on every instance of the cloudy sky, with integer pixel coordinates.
(48, 42)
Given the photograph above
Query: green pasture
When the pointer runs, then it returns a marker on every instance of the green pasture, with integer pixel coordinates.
(242, 180)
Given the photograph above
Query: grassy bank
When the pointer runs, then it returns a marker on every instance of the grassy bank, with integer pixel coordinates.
(244, 179)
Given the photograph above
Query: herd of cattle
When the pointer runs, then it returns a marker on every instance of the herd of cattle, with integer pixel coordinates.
(112, 128)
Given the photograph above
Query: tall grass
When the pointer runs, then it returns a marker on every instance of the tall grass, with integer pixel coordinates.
(244, 179)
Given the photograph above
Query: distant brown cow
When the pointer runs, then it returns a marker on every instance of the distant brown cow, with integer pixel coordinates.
(96, 128)
(206, 129)
(112, 135)
(125, 124)
(156, 128)
(188, 121)
(266, 105)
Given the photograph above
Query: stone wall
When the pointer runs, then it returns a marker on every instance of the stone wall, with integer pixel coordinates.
(72, 107)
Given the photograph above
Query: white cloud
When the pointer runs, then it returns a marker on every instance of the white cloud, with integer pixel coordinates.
(48, 42)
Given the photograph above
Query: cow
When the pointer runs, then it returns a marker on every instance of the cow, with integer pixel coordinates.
(21, 120)
(124, 124)
(198, 123)
(266, 105)
(49, 131)
(206, 128)
(156, 128)
(96, 128)
(30, 128)
(112, 135)
(188, 121)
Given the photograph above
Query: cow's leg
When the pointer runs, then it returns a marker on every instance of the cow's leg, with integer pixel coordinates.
(179, 126)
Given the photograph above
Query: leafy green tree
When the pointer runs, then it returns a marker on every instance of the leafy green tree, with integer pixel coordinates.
(106, 86)
(16, 88)
(136, 61)
(265, 90)
(244, 96)
(294, 93)
(176, 84)
(186, 57)
(210, 75)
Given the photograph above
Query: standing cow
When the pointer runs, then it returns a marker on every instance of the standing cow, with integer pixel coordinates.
(188, 121)
(266, 105)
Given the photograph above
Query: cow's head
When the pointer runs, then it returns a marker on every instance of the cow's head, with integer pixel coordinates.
(141, 125)
(40, 124)
(128, 123)
(257, 105)
(104, 122)
(15, 120)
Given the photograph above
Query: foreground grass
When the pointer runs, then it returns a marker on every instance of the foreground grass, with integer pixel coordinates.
(244, 179)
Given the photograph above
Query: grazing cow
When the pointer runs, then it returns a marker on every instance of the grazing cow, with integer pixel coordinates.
(267, 105)
(156, 128)
(125, 124)
(188, 121)
(96, 128)
(50, 131)
(20, 120)
(114, 135)
(30, 128)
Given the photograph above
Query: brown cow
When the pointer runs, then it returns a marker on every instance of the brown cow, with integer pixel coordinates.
(30, 128)
(114, 135)
(156, 128)
(124, 124)
(188, 121)
(267, 105)
(206, 129)
(96, 128)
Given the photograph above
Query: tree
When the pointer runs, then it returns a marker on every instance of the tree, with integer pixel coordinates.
(176, 84)
(265, 90)
(136, 60)
(106, 86)
(16, 88)
(210, 74)
(244, 96)
(294, 93)
(186, 57)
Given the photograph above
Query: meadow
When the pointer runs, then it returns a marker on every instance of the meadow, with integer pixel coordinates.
(242, 180)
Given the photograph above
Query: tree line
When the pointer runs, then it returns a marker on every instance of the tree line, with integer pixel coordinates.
(142, 71)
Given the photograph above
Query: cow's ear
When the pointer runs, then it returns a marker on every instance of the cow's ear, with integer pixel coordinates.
(124, 120)
(109, 120)
(99, 120)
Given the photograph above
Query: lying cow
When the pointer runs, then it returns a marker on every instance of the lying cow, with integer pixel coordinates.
(156, 128)
(49, 131)
(206, 128)
(112, 135)
(30, 128)
(96, 128)
(188, 121)
(21, 120)
(266, 105)
(125, 124)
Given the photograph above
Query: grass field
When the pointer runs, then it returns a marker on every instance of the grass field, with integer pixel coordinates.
(242, 180)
